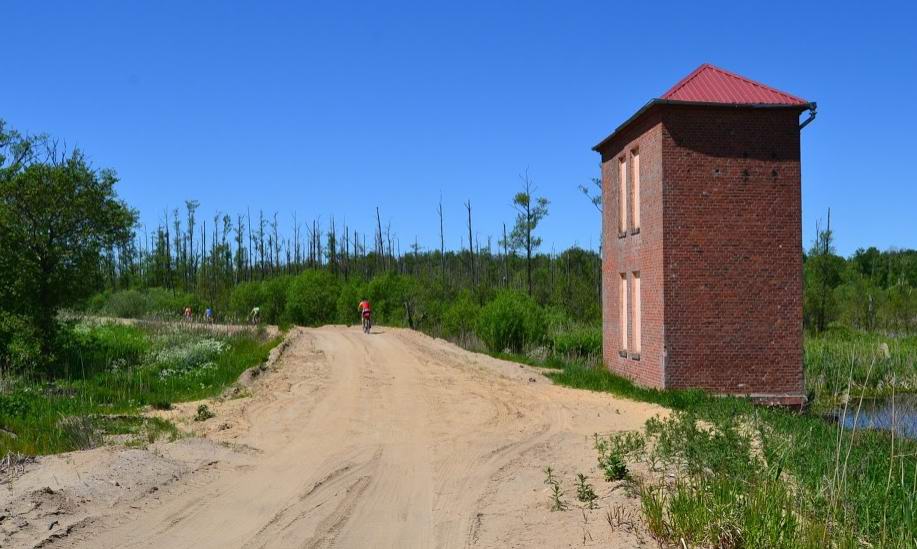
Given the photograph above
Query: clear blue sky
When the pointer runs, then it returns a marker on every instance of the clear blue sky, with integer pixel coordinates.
(337, 107)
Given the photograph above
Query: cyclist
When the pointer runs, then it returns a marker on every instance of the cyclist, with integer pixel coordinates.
(366, 314)
(254, 317)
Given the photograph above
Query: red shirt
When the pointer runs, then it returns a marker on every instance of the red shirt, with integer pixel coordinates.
(364, 306)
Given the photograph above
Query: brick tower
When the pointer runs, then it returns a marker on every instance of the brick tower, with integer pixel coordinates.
(702, 230)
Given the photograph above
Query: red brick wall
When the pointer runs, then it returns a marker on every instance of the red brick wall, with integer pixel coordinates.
(634, 252)
(732, 249)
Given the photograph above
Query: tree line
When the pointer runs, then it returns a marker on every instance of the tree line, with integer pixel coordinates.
(66, 236)
(871, 290)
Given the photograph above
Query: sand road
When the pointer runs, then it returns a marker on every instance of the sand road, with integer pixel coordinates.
(392, 439)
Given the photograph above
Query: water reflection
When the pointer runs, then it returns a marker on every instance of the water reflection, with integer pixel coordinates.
(900, 415)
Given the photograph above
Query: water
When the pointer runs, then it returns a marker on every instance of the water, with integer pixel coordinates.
(881, 414)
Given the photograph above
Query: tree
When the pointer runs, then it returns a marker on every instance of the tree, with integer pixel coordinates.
(596, 198)
(822, 270)
(57, 217)
(529, 213)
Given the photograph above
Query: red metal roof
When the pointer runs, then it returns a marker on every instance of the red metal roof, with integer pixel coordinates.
(709, 84)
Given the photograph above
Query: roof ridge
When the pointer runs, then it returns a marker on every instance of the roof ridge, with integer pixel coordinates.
(704, 67)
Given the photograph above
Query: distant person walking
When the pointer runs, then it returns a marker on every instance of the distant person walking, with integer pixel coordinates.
(189, 315)
(208, 315)
(366, 315)
(254, 317)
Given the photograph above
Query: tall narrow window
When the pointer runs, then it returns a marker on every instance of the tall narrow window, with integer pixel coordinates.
(623, 317)
(635, 187)
(622, 195)
(635, 312)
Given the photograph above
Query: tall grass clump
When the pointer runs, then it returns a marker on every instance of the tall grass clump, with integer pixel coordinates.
(842, 362)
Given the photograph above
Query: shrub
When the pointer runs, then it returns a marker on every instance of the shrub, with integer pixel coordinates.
(140, 304)
(270, 295)
(244, 298)
(274, 293)
(511, 321)
(312, 298)
(348, 298)
(579, 342)
(389, 293)
(461, 316)
(125, 304)
(89, 346)
(20, 347)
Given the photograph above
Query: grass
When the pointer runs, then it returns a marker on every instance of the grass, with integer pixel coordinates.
(109, 373)
(813, 483)
(873, 365)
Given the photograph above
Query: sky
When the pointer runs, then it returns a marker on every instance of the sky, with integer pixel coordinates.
(336, 108)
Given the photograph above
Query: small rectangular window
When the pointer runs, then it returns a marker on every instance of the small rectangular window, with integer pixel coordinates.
(622, 195)
(623, 304)
(635, 188)
(636, 305)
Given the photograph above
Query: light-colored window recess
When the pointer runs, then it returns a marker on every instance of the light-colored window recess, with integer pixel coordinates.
(635, 188)
(636, 313)
(622, 195)
(623, 298)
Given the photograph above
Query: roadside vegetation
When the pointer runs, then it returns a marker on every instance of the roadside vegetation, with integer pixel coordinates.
(110, 372)
(729, 473)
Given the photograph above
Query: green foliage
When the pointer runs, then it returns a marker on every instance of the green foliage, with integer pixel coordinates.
(58, 216)
(511, 321)
(389, 294)
(461, 316)
(88, 347)
(312, 298)
(146, 303)
(615, 450)
(731, 456)
(245, 297)
(842, 357)
(349, 297)
(114, 371)
(20, 346)
(584, 491)
(274, 292)
(557, 495)
(579, 342)
(270, 295)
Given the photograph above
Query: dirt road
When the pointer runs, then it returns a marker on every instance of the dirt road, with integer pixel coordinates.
(393, 439)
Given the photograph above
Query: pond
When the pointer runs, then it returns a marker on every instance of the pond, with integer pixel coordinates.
(899, 416)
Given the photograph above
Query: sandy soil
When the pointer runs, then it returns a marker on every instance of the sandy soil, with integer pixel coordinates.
(393, 439)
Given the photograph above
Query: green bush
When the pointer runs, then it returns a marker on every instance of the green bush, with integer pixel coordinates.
(270, 295)
(511, 321)
(274, 292)
(388, 294)
(87, 347)
(20, 347)
(312, 298)
(461, 316)
(349, 297)
(579, 342)
(156, 302)
(244, 298)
